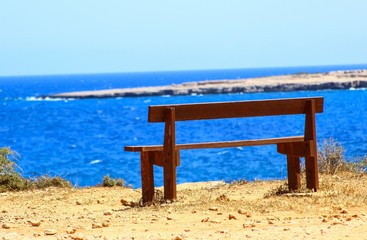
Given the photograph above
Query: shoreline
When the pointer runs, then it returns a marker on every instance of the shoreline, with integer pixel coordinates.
(337, 80)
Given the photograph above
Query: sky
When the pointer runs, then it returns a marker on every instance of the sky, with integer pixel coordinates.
(43, 37)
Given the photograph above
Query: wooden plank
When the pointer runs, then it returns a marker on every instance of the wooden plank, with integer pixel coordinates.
(147, 177)
(297, 149)
(294, 173)
(158, 157)
(312, 177)
(239, 143)
(169, 152)
(235, 109)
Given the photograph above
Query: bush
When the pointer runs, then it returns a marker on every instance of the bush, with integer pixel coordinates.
(112, 182)
(11, 180)
(331, 159)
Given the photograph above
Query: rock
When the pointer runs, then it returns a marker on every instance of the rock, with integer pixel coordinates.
(244, 213)
(127, 203)
(105, 224)
(78, 237)
(107, 213)
(50, 231)
(79, 202)
(343, 211)
(35, 223)
(169, 218)
(214, 209)
(70, 230)
(232, 217)
(97, 225)
(5, 226)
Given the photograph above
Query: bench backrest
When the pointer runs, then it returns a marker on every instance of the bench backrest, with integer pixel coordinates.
(202, 111)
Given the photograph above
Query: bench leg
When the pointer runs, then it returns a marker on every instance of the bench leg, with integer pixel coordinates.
(312, 177)
(169, 174)
(147, 177)
(294, 173)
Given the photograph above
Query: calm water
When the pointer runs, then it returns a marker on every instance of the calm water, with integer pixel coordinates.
(83, 140)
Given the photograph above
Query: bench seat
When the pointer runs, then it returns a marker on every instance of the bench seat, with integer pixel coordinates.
(239, 143)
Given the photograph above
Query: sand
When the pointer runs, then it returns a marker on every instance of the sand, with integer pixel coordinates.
(211, 210)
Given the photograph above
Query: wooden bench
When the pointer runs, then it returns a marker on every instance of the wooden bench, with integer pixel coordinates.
(168, 154)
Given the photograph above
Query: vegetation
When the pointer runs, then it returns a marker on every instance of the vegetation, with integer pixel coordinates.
(11, 180)
(107, 181)
(331, 159)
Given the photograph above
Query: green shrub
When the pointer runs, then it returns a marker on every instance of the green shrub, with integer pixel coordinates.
(331, 159)
(11, 180)
(112, 182)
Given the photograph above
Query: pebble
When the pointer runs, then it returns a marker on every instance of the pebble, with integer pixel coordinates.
(70, 230)
(50, 231)
(35, 223)
(232, 217)
(107, 213)
(97, 225)
(127, 203)
(214, 209)
(78, 237)
(5, 226)
(105, 224)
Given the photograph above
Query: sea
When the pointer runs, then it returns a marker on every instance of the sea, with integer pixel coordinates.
(83, 140)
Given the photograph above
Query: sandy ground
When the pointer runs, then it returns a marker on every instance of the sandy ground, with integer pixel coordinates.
(212, 210)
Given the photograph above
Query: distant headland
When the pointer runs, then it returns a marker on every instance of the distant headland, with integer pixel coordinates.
(295, 82)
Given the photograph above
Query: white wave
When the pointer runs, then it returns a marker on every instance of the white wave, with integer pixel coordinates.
(39, 99)
(147, 101)
(357, 89)
(95, 161)
(221, 153)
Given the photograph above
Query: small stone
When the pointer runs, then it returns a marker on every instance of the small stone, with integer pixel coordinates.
(35, 223)
(5, 226)
(126, 203)
(178, 238)
(205, 220)
(344, 211)
(169, 218)
(50, 231)
(78, 237)
(232, 217)
(105, 224)
(70, 230)
(214, 209)
(4, 211)
(244, 213)
(78, 202)
(107, 213)
(97, 225)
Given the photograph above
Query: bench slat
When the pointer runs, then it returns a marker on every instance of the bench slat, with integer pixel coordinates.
(201, 111)
(241, 143)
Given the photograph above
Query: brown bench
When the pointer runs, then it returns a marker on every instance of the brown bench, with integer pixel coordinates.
(168, 154)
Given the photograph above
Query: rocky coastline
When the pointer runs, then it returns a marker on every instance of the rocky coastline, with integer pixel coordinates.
(352, 79)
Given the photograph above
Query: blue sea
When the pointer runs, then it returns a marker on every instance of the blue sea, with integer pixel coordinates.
(83, 140)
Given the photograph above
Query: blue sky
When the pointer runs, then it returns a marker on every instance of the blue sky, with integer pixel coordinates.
(88, 36)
